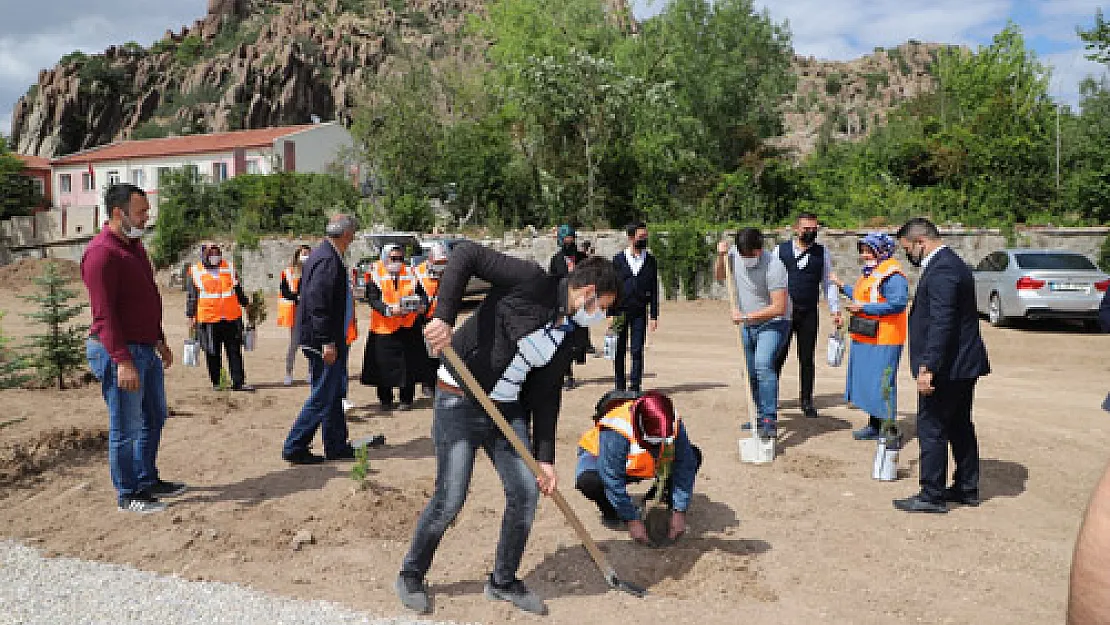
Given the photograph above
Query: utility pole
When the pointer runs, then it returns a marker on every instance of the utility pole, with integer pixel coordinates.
(1057, 148)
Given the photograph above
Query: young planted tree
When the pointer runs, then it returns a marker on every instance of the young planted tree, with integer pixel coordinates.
(12, 364)
(57, 353)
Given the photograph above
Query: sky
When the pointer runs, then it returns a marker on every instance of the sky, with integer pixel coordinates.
(34, 35)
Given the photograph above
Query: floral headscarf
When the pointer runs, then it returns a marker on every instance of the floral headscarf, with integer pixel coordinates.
(881, 244)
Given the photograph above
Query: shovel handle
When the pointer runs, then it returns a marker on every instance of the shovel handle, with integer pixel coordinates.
(735, 301)
(471, 384)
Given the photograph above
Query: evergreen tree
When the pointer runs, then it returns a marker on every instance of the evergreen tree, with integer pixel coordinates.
(12, 363)
(57, 353)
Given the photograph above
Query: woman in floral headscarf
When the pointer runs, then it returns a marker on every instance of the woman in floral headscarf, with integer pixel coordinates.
(878, 332)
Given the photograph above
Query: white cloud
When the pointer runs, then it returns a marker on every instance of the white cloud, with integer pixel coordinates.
(5, 123)
(1068, 70)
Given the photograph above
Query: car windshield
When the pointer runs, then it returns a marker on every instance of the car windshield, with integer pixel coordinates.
(1067, 262)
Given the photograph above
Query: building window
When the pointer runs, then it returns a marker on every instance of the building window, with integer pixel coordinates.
(40, 186)
(254, 167)
(65, 181)
(137, 178)
(88, 183)
(113, 177)
(162, 173)
(219, 171)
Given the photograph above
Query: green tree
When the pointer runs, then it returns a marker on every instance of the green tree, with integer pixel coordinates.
(12, 364)
(1086, 155)
(409, 212)
(58, 352)
(1097, 39)
(18, 193)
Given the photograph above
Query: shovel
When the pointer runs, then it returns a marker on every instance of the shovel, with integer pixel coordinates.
(753, 450)
(475, 390)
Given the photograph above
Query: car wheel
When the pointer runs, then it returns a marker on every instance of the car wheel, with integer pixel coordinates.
(994, 311)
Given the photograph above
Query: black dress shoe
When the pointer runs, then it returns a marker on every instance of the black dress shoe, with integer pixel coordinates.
(302, 456)
(347, 453)
(960, 497)
(809, 410)
(918, 504)
(243, 388)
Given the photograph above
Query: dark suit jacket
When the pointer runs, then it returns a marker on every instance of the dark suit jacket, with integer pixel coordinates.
(944, 324)
(1104, 312)
(638, 291)
(558, 266)
(323, 307)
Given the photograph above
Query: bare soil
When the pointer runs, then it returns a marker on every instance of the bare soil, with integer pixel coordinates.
(810, 538)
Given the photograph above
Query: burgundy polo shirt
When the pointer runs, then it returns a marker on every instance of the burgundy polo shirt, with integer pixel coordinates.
(126, 305)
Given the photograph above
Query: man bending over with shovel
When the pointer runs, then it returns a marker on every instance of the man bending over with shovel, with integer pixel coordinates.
(518, 346)
(633, 440)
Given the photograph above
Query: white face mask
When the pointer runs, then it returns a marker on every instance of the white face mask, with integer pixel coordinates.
(129, 229)
(393, 267)
(304, 258)
(436, 269)
(586, 319)
(214, 260)
(871, 263)
(750, 263)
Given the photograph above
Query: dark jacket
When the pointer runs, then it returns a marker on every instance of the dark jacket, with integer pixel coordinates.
(640, 291)
(944, 323)
(322, 310)
(287, 291)
(522, 298)
(1104, 312)
(558, 266)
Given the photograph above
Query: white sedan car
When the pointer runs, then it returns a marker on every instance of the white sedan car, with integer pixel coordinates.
(1020, 283)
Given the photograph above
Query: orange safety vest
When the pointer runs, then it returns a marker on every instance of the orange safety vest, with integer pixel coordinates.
(216, 299)
(892, 328)
(352, 329)
(431, 286)
(391, 295)
(287, 308)
(640, 463)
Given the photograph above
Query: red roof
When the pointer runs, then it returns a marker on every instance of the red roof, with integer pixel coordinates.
(33, 162)
(175, 146)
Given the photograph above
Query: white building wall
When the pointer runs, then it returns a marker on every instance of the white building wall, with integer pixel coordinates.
(320, 147)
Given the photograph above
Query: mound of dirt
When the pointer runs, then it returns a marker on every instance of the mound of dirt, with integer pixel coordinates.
(50, 449)
(22, 273)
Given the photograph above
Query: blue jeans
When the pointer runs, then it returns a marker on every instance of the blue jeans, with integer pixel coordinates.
(135, 418)
(763, 345)
(324, 407)
(459, 428)
(632, 337)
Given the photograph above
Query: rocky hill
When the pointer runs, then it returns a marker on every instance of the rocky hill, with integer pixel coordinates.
(258, 63)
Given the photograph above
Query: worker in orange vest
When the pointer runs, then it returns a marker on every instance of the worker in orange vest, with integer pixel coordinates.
(634, 439)
(213, 304)
(290, 289)
(427, 287)
(394, 349)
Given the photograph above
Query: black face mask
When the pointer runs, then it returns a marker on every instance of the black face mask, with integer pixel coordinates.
(916, 259)
(809, 237)
(640, 244)
(569, 249)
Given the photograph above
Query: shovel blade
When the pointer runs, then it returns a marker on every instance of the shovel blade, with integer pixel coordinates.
(757, 450)
(618, 584)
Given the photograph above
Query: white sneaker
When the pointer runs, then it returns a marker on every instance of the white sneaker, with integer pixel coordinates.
(289, 380)
(348, 406)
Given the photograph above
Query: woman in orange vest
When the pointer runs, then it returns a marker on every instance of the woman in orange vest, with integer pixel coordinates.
(213, 304)
(394, 348)
(879, 300)
(287, 305)
(626, 444)
(427, 287)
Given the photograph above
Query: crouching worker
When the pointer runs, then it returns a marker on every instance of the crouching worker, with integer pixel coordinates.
(635, 439)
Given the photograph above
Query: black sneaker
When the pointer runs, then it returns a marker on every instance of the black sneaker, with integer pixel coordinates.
(809, 410)
(413, 594)
(302, 456)
(347, 453)
(613, 523)
(166, 489)
(516, 593)
(243, 388)
(142, 504)
(405, 406)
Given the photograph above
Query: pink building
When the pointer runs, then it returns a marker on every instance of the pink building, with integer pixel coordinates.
(80, 179)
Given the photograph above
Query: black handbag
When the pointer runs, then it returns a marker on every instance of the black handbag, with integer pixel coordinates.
(863, 326)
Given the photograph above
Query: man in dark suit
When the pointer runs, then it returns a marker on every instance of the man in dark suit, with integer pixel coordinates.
(323, 316)
(639, 276)
(947, 356)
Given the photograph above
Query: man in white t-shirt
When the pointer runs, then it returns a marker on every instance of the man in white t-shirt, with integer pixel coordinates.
(763, 313)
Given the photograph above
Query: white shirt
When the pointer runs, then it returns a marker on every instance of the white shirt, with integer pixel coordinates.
(925, 261)
(635, 261)
(533, 351)
(831, 292)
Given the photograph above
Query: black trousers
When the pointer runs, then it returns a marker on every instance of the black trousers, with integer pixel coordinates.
(943, 419)
(408, 393)
(226, 336)
(804, 324)
(631, 338)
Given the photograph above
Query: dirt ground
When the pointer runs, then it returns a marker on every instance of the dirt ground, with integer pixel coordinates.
(810, 538)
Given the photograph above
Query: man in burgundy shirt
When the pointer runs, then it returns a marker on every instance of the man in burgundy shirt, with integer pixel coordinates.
(127, 349)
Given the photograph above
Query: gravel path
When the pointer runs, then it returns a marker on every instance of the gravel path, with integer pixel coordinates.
(64, 591)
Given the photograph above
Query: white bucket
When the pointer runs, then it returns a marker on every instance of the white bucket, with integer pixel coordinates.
(248, 339)
(189, 355)
(609, 348)
(757, 450)
(885, 465)
(836, 349)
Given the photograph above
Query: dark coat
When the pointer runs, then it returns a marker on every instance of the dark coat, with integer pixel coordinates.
(1104, 312)
(522, 299)
(944, 323)
(580, 336)
(639, 291)
(322, 311)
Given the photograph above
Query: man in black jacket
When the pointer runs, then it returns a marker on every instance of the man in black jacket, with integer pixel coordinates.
(639, 277)
(323, 315)
(947, 356)
(517, 346)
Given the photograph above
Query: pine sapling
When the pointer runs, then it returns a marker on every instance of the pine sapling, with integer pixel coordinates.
(59, 352)
(13, 365)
